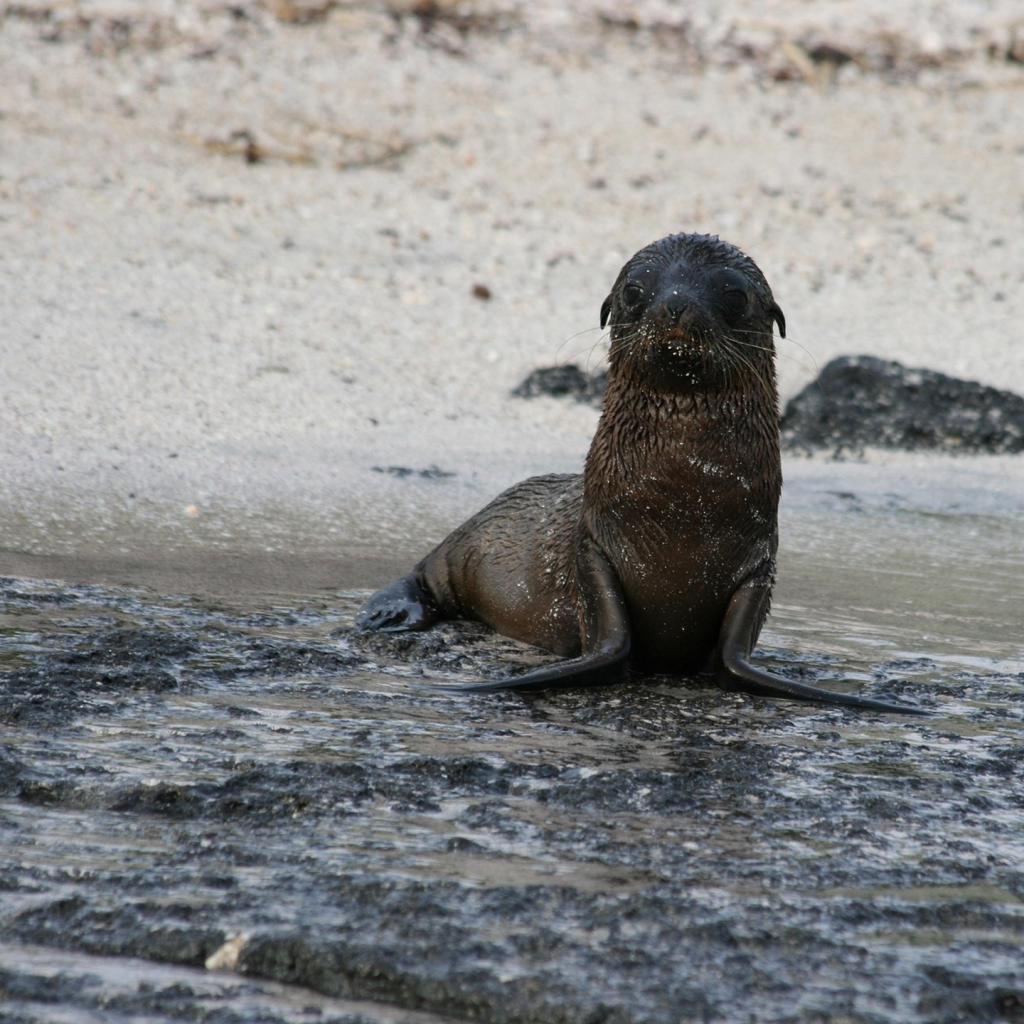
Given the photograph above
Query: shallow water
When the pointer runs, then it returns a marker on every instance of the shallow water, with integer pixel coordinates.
(247, 785)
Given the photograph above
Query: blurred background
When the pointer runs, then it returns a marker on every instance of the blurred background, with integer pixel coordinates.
(258, 257)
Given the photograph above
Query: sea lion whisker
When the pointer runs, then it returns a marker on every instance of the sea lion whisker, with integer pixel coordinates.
(593, 349)
(758, 367)
(742, 358)
(786, 355)
(749, 344)
(572, 337)
(745, 349)
(626, 342)
(812, 369)
(589, 351)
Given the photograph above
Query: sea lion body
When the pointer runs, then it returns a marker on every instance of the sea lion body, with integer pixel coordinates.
(513, 565)
(661, 555)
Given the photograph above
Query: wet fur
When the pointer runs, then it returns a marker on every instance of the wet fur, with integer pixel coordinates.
(680, 490)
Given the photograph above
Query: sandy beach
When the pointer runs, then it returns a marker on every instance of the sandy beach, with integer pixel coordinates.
(241, 245)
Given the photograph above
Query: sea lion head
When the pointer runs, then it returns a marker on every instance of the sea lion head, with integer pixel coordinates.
(691, 312)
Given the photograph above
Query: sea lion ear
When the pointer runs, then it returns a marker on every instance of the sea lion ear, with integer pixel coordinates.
(778, 316)
(606, 308)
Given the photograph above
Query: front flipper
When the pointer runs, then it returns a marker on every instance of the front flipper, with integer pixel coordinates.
(606, 637)
(399, 607)
(742, 620)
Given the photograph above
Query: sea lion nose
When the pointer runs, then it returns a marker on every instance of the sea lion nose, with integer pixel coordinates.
(676, 305)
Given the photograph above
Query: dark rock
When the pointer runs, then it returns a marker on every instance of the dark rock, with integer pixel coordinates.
(11, 770)
(642, 854)
(159, 930)
(860, 401)
(562, 381)
(272, 657)
(57, 694)
(134, 648)
(402, 472)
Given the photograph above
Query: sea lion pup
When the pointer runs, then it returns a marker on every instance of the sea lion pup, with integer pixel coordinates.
(661, 556)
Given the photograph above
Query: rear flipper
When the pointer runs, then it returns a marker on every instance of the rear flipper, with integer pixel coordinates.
(399, 607)
(601, 669)
(742, 621)
(606, 637)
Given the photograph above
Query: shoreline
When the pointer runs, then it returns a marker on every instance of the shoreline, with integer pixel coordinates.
(305, 544)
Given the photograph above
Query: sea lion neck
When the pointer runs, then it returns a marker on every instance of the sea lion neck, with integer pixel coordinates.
(650, 437)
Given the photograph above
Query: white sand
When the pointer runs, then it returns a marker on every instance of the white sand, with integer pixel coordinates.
(202, 358)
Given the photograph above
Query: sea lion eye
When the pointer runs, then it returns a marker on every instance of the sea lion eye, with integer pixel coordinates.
(632, 293)
(730, 289)
(735, 301)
